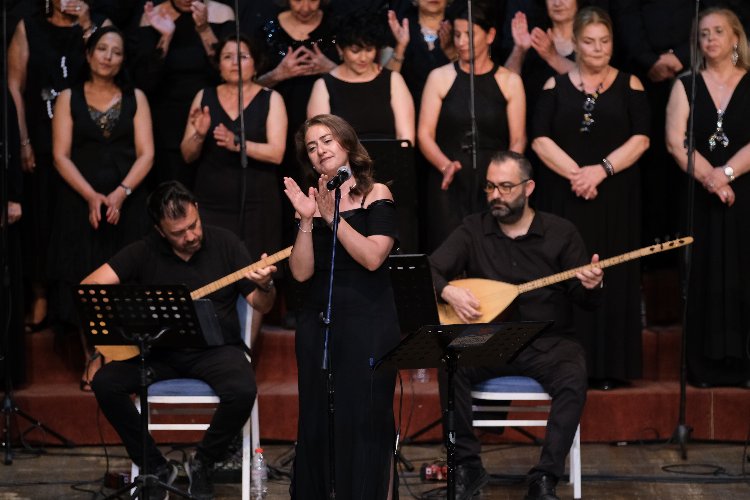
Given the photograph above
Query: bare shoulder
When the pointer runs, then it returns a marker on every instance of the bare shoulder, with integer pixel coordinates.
(219, 13)
(379, 192)
(635, 83)
(549, 84)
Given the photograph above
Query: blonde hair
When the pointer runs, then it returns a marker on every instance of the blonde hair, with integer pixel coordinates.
(588, 16)
(743, 61)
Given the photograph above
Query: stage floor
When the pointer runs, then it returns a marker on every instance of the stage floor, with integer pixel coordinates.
(653, 471)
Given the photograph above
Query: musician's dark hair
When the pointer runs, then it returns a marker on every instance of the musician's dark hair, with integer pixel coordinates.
(343, 133)
(527, 171)
(366, 29)
(169, 201)
(483, 13)
(255, 52)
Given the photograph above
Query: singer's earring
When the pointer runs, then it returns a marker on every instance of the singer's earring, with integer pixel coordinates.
(735, 55)
(46, 7)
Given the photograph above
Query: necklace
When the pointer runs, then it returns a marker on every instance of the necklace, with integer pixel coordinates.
(719, 136)
(429, 36)
(590, 103)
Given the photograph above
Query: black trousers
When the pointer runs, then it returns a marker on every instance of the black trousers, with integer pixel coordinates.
(559, 365)
(224, 368)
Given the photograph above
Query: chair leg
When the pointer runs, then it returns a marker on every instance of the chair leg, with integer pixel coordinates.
(250, 433)
(575, 464)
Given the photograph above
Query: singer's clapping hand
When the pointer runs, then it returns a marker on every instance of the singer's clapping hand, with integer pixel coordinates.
(325, 199)
(304, 204)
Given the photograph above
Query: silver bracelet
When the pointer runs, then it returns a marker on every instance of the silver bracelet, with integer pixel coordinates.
(608, 167)
(299, 226)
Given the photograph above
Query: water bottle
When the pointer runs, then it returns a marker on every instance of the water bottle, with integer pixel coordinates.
(259, 476)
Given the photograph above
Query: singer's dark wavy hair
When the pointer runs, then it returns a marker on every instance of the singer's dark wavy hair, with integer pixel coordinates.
(359, 159)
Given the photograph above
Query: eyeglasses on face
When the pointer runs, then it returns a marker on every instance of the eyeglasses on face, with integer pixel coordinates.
(503, 187)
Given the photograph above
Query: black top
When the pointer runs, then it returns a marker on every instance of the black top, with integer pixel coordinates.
(479, 249)
(365, 105)
(171, 81)
(151, 261)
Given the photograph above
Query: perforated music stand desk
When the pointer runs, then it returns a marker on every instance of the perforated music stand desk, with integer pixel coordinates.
(145, 316)
(483, 344)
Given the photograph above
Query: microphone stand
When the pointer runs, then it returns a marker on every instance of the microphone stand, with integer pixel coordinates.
(241, 108)
(328, 352)
(681, 434)
(472, 106)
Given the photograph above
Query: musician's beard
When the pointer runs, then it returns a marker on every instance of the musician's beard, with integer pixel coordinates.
(508, 212)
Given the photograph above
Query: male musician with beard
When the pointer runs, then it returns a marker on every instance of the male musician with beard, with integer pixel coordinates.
(513, 243)
(181, 250)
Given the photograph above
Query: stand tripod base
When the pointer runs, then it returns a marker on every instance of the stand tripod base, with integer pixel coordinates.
(681, 436)
(143, 484)
(9, 409)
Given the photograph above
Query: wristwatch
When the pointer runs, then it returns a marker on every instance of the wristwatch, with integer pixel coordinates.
(128, 191)
(729, 172)
(268, 288)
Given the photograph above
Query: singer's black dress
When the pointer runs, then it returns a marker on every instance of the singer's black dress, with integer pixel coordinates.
(364, 327)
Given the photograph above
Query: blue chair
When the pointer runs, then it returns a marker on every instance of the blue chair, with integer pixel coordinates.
(488, 395)
(187, 391)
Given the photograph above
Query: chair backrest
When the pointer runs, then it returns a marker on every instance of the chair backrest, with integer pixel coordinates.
(245, 312)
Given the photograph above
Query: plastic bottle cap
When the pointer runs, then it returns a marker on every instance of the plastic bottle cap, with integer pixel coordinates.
(258, 450)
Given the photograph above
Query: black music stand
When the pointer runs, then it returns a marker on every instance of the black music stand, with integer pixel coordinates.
(140, 315)
(483, 344)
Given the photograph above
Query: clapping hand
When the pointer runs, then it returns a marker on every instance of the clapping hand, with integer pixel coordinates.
(304, 203)
(200, 119)
(296, 62)
(319, 63)
(200, 15)
(542, 42)
(400, 31)
(225, 138)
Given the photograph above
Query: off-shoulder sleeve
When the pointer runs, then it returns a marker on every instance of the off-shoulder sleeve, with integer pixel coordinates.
(381, 219)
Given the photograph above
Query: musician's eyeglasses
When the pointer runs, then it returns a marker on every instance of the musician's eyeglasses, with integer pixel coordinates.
(503, 187)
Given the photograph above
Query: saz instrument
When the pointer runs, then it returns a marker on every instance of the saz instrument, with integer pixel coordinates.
(121, 352)
(495, 296)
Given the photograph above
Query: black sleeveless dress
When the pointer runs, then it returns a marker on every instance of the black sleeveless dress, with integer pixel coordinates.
(365, 105)
(56, 62)
(364, 328)
(719, 293)
(465, 195)
(610, 224)
(221, 183)
(76, 248)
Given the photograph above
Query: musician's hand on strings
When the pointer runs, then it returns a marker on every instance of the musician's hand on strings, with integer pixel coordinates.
(591, 278)
(464, 302)
(262, 277)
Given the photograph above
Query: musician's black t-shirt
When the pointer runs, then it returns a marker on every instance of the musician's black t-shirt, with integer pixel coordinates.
(151, 261)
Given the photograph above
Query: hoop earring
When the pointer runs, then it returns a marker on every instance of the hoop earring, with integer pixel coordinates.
(735, 55)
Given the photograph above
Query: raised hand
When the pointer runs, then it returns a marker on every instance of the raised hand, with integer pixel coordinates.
(304, 203)
(445, 35)
(318, 62)
(200, 15)
(158, 19)
(400, 31)
(542, 42)
(325, 199)
(519, 29)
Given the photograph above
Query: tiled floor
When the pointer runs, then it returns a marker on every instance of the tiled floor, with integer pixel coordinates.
(642, 471)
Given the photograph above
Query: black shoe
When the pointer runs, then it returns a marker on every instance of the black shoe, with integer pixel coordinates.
(201, 487)
(166, 474)
(469, 480)
(543, 488)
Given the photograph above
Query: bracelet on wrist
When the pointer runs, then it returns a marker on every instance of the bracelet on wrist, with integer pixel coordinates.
(268, 288)
(607, 165)
(299, 226)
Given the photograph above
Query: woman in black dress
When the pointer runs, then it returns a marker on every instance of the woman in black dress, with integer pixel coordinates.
(244, 200)
(172, 52)
(103, 148)
(444, 130)
(45, 56)
(364, 322)
(590, 128)
(373, 100)
(719, 289)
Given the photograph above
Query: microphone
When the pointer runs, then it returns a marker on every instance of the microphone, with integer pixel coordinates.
(341, 176)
